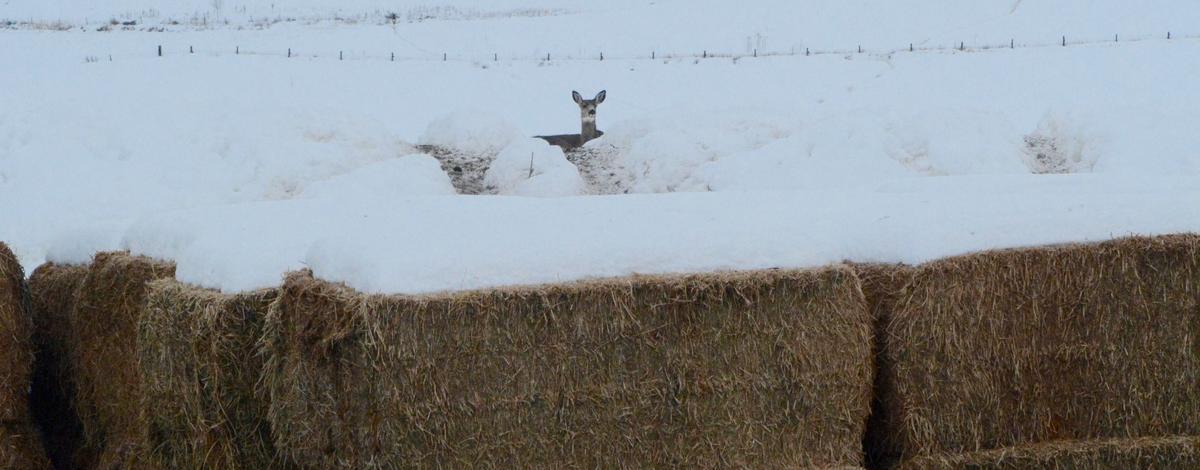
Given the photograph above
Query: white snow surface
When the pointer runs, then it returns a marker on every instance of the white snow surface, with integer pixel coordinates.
(532, 167)
(242, 167)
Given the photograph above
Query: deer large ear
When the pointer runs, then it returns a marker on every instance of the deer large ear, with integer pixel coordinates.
(577, 97)
(600, 96)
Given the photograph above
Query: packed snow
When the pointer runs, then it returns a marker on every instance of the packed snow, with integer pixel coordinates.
(243, 166)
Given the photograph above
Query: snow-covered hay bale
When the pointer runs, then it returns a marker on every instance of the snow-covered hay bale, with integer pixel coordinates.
(1147, 452)
(20, 444)
(197, 350)
(54, 289)
(768, 369)
(103, 350)
(1017, 347)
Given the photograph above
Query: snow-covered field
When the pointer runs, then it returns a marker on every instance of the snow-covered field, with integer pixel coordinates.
(243, 166)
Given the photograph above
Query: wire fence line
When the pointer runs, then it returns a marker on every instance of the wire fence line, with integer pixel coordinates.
(702, 54)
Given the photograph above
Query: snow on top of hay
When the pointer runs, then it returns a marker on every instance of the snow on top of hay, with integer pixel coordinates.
(427, 244)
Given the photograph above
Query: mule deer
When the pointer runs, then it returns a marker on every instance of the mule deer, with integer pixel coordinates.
(587, 112)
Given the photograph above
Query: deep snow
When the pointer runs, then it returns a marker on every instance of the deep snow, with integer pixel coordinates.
(241, 167)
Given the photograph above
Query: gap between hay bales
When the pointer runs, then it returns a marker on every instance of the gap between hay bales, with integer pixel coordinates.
(54, 288)
(759, 369)
(20, 444)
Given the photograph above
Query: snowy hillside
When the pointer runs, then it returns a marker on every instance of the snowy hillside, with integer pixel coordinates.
(241, 162)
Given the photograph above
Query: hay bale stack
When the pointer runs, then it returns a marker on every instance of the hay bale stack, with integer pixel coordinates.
(111, 301)
(20, 444)
(1182, 453)
(54, 289)
(882, 286)
(1017, 347)
(764, 369)
(197, 352)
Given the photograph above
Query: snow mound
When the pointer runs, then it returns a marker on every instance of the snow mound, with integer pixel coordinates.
(474, 132)
(407, 175)
(532, 167)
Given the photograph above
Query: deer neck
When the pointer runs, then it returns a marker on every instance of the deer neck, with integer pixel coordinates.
(588, 132)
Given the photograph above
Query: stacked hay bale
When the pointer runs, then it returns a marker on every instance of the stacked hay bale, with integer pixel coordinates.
(198, 358)
(754, 369)
(55, 289)
(103, 356)
(1008, 351)
(20, 444)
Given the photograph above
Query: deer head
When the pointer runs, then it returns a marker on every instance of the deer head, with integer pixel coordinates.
(587, 112)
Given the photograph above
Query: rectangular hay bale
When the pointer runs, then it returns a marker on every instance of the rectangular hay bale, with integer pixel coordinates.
(198, 354)
(103, 356)
(1164, 453)
(20, 444)
(1018, 347)
(763, 369)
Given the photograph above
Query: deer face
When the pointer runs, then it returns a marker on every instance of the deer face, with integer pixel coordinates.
(587, 108)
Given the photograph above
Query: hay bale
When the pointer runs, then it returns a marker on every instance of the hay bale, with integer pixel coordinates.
(111, 301)
(197, 352)
(764, 369)
(54, 290)
(1182, 453)
(20, 444)
(882, 286)
(1079, 342)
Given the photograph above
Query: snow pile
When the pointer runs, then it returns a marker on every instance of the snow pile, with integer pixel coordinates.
(472, 132)
(532, 167)
(425, 244)
(1059, 145)
(389, 179)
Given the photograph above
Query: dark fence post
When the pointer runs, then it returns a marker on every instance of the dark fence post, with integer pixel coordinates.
(393, 58)
(1012, 44)
(160, 50)
(191, 50)
(237, 50)
(1064, 41)
(339, 55)
(910, 48)
(289, 53)
(806, 52)
(860, 48)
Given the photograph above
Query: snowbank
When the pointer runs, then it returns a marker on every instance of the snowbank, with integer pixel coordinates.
(408, 175)
(533, 167)
(425, 244)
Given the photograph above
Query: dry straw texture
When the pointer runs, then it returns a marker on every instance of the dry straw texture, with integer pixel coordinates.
(1017, 347)
(882, 286)
(54, 288)
(20, 444)
(103, 353)
(197, 351)
(1181, 453)
(766, 369)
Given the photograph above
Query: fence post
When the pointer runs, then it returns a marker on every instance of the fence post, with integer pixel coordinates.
(705, 55)
(237, 50)
(495, 57)
(1116, 38)
(1168, 35)
(910, 48)
(1011, 44)
(289, 53)
(602, 56)
(1064, 41)
(547, 57)
(339, 55)
(962, 45)
(860, 48)
(756, 53)
(652, 55)
(806, 52)
(160, 50)
(191, 50)
(393, 57)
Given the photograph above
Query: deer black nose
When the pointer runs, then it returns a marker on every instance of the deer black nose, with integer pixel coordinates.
(591, 112)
